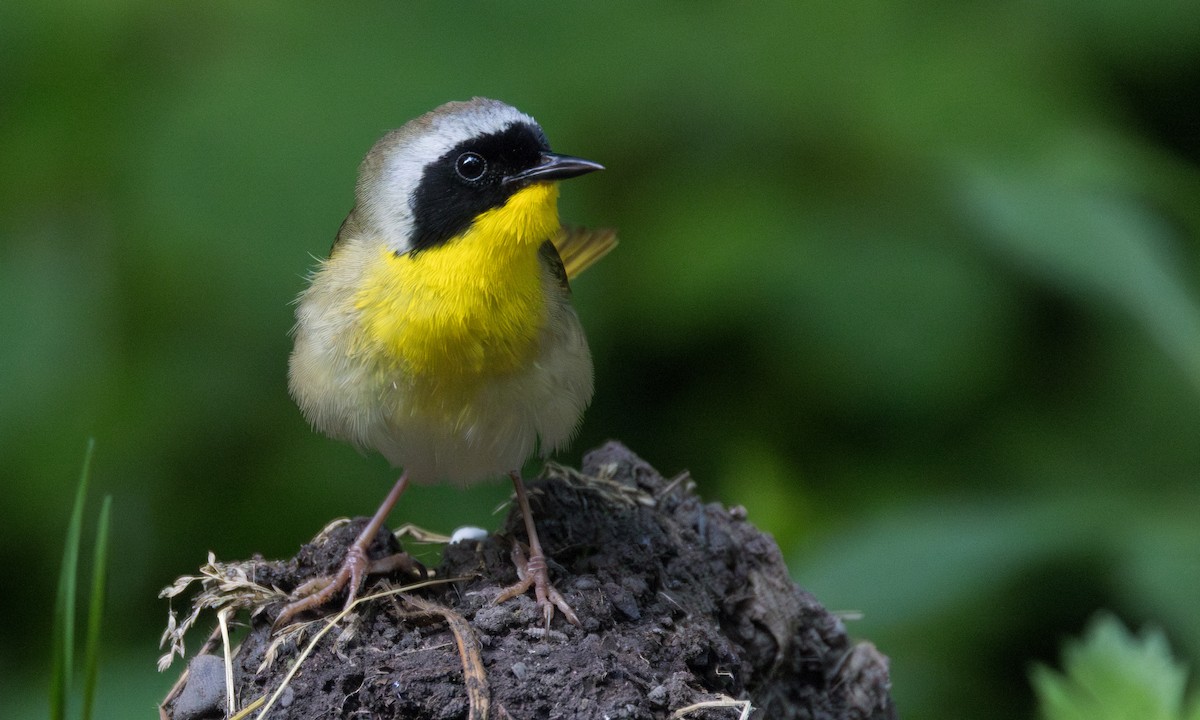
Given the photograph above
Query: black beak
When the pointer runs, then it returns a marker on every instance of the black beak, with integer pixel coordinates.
(554, 167)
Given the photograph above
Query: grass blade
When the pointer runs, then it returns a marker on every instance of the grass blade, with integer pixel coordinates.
(91, 648)
(63, 634)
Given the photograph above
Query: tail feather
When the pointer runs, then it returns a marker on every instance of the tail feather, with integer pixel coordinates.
(581, 247)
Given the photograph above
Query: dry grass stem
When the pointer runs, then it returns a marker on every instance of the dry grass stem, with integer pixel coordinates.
(223, 586)
(474, 676)
(602, 483)
(722, 702)
(245, 712)
(223, 621)
(420, 534)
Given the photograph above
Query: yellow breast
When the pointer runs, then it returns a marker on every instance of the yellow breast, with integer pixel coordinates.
(449, 317)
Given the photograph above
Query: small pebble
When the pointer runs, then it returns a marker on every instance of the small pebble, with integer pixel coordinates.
(585, 582)
(204, 694)
(657, 695)
(492, 618)
(623, 601)
(520, 670)
(634, 584)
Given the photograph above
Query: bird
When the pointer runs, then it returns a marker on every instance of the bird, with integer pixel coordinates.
(439, 331)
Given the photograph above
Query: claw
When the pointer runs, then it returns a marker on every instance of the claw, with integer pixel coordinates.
(532, 571)
(318, 591)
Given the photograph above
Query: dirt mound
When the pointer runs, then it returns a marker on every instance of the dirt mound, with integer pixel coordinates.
(681, 603)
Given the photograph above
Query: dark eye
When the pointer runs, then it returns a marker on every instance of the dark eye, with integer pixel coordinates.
(470, 166)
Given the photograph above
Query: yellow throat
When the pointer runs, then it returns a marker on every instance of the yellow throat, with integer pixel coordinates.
(450, 316)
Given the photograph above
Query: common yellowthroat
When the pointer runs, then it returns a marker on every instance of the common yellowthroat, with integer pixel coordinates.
(439, 332)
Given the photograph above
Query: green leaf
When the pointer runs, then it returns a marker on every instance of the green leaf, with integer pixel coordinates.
(63, 633)
(935, 556)
(1113, 675)
(96, 609)
(1105, 246)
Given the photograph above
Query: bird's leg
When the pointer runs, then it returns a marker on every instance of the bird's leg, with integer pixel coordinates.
(532, 572)
(318, 591)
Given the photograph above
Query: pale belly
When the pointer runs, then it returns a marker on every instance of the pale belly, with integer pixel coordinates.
(453, 436)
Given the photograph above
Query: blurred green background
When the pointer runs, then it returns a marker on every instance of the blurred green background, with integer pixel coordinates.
(915, 283)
